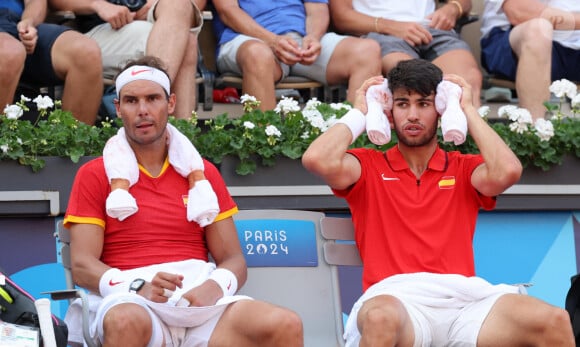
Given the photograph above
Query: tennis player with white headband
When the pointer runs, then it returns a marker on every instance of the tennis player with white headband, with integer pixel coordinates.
(150, 280)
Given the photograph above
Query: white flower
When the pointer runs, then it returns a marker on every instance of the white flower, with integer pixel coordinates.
(24, 98)
(287, 105)
(339, 106)
(312, 104)
(575, 101)
(4, 148)
(483, 111)
(544, 129)
(43, 102)
(271, 130)
(19, 140)
(13, 111)
(248, 98)
(249, 125)
(521, 115)
(563, 88)
(506, 111)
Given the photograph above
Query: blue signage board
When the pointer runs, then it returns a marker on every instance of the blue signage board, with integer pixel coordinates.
(278, 242)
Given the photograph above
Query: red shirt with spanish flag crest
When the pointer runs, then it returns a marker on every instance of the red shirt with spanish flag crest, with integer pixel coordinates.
(407, 225)
(159, 232)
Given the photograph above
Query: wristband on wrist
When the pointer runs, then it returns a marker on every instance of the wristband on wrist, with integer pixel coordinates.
(355, 120)
(226, 280)
(112, 281)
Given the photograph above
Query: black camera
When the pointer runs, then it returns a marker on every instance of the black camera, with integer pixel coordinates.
(132, 5)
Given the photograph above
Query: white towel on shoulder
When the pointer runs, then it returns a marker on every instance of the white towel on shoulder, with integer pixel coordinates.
(379, 99)
(120, 162)
(202, 203)
(453, 121)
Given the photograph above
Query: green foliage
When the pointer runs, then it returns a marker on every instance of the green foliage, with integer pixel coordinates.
(255, 138)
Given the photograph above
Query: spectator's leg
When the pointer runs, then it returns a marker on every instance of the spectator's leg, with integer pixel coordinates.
(260, 71)
(170, 40)
(12, 54)
(354, 60)
(184, 85)
(461, 62)
(77, 60)
(532, 43)
(389, 61)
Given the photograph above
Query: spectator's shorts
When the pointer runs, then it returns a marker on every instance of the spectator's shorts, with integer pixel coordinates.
(130, 41)
(443, 42)
(226, 60)
(497, 57)
(38, 69)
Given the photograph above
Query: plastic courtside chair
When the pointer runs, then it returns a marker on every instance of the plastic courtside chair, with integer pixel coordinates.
(286, 267)
(71, 292)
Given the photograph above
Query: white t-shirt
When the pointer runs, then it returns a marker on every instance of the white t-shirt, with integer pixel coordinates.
(400, 10)
(493, 16)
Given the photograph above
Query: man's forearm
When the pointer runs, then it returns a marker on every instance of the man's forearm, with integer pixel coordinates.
(34, 11)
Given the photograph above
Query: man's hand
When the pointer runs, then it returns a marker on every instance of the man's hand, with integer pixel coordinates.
(310, 50)
(413, 33)
(444, 18)
(206, 294)
(28, 35)
(286, 49)
(116, 15)
(360, 99)
(161, 287)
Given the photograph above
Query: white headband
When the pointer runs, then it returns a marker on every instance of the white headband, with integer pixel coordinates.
(141, 72)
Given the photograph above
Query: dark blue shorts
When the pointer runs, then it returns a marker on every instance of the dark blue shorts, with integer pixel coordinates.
(38, 68)
(498, 58)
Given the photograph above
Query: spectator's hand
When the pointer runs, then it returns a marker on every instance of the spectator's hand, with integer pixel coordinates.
(161, 287)
(413, 33)
(116, 15)
(444, 18)
(142, 13)
(287, 50)
(360, 99)
(28, 35)
(206, 294)
(310, 50)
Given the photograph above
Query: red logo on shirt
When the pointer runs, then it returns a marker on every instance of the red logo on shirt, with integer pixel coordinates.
(229, 285)
(136, 72)
(112, 284)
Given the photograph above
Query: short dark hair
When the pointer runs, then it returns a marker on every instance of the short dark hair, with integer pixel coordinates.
(417, 75)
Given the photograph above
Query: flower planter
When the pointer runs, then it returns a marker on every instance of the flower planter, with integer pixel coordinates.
(286, 185)
(56, 176)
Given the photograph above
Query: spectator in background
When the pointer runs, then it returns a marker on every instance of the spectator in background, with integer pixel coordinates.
(43, 54)
(265, 41)
(533, 43)
(166, 29)
(412, 29)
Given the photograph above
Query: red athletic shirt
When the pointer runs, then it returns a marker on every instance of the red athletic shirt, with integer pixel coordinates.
(159, 232)
(406, 225)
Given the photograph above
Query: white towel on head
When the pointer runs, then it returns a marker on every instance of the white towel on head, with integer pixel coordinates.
(379, 99)
(120, 162)
(453, 121)
(202, 204)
